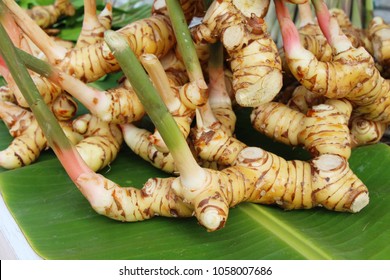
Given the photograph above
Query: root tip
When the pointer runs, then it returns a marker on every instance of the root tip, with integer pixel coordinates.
(360, 202)
(290, 36)
(212, 219)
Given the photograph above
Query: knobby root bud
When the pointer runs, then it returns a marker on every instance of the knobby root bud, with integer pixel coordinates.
(101, 143)
(364, 132)
(64, 107)
(261, 177)
(357, 36)
(215, 145)
(190, 8)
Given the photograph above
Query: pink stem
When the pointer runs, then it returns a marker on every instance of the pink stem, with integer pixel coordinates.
(3, 67)
(290, 35)
(4, 71)
(323, 18)
(72, 162)
(207, 115)
(12, 28)
(217, 86)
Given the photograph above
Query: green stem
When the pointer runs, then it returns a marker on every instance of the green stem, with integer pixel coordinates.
(54, 134)
(323, 17)
(369, 12)
(153, 104)
(356, 18)
(339, 4)
(184, 40)
(35, 64)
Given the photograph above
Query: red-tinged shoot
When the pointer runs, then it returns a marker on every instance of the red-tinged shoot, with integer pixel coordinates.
(339, 41)
(72, 162)
(16, 36)
(11, 85)
(4, 71)
(330, 28)
(323, 18)
(12, 29)
(290, 35)
(48, 90)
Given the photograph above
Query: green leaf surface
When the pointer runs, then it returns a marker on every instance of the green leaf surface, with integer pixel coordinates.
(59, 223)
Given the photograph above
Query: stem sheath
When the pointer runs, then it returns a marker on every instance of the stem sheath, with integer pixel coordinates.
(154, 105)
(184, 40)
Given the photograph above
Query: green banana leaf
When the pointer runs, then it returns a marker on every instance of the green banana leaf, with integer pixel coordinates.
(59, 223)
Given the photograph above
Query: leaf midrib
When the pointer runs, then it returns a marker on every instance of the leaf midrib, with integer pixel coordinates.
(285, 232)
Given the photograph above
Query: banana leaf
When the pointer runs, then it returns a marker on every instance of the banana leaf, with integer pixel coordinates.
(59, 223)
